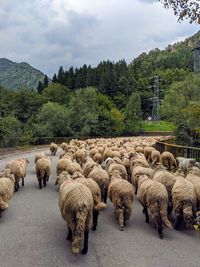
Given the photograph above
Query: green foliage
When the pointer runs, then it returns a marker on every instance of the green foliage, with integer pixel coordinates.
(157, 126)
(133, 114)
(58, 93)
(52, 120)
(187, 9)
(25, 103)
(181, 106)
(10, 131)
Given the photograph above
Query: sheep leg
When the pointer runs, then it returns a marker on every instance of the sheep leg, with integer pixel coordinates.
(105, 196)
(69, 236)
(44, 181)
(145, 211)
(16, 187)
(86, 237)
(23, 181)
(159, 225)
(40, 184)
(179, 219)
(95, 219)
(136, 190)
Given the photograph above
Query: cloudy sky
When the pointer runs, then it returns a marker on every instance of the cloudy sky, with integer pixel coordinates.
(50, 33)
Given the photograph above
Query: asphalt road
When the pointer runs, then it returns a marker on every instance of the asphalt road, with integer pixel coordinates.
(32, 233)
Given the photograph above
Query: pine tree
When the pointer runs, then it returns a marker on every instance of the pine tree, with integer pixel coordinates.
(45, 82)
(54, 79)
(40, 87)
(60, 77)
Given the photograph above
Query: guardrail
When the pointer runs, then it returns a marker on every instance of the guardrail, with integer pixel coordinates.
(179, 151)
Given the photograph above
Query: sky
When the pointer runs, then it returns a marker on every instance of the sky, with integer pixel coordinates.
(51, 33)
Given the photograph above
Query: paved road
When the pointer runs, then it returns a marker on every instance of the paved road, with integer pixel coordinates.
(32, 233)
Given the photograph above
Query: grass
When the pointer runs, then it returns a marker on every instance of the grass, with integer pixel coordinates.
(157, 126)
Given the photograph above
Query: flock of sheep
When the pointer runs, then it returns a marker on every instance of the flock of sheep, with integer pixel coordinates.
(89, 171)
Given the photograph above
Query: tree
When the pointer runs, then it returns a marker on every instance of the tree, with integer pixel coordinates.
(10, 131)
(40, 87)
(181, 106)
(133, 114)
(52, 120)
(184, 9)
(54, 79)
(45, 82)
(58, 93)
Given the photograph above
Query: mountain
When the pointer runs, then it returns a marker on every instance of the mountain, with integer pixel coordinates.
(14, 75)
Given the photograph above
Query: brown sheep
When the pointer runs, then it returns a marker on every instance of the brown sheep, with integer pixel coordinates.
(53, 148)
(18, 168)
(153, 196)
(76, 207)
(121, 194)
(168, 160)
(43, 171)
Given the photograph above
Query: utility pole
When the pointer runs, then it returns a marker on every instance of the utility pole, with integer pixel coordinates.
(156, 99)
(196, 51)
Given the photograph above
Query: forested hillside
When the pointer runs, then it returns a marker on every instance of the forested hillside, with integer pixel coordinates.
(110, 99)
(14, 75)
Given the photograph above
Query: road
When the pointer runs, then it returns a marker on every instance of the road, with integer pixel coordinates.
(32, 233)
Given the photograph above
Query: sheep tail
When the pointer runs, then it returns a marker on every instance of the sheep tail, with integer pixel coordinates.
(162, 208)
(81, 217)
(100, 206)
(188, 211)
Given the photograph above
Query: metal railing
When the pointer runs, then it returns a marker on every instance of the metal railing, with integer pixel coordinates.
(179, 151)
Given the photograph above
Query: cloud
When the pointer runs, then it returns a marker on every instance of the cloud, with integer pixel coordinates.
(50, 33)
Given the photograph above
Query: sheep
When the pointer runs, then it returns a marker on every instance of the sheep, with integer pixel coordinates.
(184, 201)
(73, 167)
(80, 156)
(98, 158)
(107, 153)
(136, 158)
(43, 171)
(92, 185)
(18, 168)
(137, 171)
(147, 152)
(139, 149)
(93, 151)
(53, 148)
(101, 177)
(194, 177)
(155, 157)
(185, 164)
(64, 146)
(7, 185)
(153, 196)
(76, 207)
(167, 159)
(39, 156)
(111, 165)
(88, 166)
(121, 194)
(62, 165)
(168, 180)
